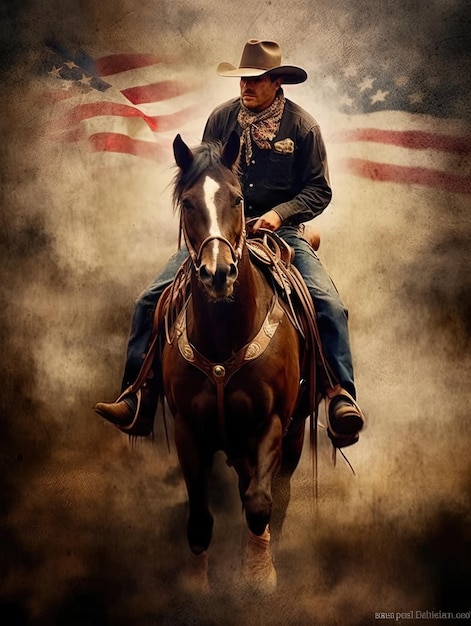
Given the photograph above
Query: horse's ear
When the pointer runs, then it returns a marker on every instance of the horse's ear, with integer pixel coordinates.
(230, 152)
(182, 153)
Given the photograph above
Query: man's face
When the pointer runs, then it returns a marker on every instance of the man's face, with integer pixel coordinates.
(259, 92)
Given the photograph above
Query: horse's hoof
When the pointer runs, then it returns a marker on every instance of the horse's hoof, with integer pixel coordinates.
(195, 577)
(259, 571)
(261, 581)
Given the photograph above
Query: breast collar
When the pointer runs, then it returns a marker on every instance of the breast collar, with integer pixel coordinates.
(220, 373)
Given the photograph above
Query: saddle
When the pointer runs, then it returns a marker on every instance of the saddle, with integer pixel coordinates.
(274, 256)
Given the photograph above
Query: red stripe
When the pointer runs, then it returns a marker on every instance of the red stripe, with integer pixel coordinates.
(114, 142)
(161, 123)
(174, 120)
(94, 109)
(419, 140)
(156, 92)
(386, 172)
(116, 63)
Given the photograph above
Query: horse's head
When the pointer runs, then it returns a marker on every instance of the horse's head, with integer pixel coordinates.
(208, 193)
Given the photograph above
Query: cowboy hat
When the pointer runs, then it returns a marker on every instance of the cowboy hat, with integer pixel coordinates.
(263, 57)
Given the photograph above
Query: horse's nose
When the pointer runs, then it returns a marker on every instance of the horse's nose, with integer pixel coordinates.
(204, 274)
(232, 275)
(219, 278)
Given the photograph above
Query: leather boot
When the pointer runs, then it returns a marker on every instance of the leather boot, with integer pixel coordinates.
(344, 419)
(133, 412)
(118, 413)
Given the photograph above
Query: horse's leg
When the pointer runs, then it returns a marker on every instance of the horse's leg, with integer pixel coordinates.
(292, 448)
(266, 460)
(196, 462)
(259, 571)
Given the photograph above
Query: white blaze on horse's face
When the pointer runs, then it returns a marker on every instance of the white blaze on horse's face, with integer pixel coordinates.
(210, 189)
(217, 269)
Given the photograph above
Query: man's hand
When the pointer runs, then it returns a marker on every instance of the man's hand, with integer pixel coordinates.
(270, 220)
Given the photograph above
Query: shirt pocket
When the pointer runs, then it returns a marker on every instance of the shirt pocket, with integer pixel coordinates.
(280, 172)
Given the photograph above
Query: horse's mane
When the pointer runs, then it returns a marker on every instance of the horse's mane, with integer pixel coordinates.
(206, 156)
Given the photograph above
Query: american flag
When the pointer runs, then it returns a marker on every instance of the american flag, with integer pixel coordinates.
(398, 126)
(121, 103)
(384, 125)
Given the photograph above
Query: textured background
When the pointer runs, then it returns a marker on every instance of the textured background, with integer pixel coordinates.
(93, 530)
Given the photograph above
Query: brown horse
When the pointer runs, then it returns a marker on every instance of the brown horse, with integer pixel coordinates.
(231, 366)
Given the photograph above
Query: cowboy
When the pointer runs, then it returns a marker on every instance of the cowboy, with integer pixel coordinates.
(284, 178)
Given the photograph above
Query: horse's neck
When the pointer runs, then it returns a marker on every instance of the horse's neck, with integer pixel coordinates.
(219, 329)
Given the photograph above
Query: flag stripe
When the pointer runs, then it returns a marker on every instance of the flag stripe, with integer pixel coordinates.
(419, 140)
(156, 92)
(397, 155)
(116, 142)
(94, 109)
(116, 63)
(173, 120)
(386, 172)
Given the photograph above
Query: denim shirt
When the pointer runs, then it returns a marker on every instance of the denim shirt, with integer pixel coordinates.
(292, 177)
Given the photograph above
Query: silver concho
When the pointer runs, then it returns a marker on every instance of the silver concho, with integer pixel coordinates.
(188, 353)
(219, 371)
(252, 351)
(270, 328)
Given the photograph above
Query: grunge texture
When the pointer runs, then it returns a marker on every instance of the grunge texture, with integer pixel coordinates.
(92, 528)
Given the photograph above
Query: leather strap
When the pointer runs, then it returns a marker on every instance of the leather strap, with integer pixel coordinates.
(217, 372)
(220, 373)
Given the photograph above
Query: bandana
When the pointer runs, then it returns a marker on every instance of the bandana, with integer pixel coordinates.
(260, 127)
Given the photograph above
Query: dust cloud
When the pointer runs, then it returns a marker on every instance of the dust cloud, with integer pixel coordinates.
(93, 529)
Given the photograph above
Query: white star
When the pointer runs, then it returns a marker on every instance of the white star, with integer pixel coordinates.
(379, 96)
(86, 80)
(55, 72)
(70, 64)
(366, 84)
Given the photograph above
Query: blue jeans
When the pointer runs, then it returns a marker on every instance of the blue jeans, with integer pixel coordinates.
(332, 316)
(143, 317)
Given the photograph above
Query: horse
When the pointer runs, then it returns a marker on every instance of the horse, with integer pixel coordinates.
(231, 368)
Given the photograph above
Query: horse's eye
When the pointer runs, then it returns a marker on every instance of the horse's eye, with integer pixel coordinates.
(238, 201)
(186, 204)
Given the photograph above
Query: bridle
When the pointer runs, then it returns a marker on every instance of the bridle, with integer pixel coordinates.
(195, 255)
